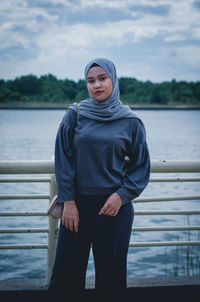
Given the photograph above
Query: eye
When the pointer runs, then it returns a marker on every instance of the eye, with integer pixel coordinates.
(90, 81)
(103, 78)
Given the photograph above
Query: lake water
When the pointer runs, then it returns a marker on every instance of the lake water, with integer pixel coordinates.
(171, 134)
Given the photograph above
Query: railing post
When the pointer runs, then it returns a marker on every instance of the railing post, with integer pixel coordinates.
(52, 235)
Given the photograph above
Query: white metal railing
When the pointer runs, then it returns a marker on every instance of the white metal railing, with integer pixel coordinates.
(44, 167)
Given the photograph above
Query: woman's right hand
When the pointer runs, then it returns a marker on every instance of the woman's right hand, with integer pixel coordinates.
(70, 216)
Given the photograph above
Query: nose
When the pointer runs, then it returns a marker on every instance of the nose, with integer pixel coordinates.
(97, 84)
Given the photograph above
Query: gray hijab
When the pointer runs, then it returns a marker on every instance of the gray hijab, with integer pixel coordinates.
(109, 110)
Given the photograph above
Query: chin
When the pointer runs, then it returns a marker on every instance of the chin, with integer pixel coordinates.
(100, 101)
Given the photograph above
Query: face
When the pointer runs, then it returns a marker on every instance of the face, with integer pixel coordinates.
(99, 84)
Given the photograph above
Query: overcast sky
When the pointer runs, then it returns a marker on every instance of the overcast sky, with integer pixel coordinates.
(155, 40)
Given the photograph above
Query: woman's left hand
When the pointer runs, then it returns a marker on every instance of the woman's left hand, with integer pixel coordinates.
(112, 205)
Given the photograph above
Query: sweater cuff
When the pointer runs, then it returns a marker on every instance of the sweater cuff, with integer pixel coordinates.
(125, 196)
(62, 197)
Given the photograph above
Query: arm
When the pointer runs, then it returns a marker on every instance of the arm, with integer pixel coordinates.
(137, 175)
(64, 158)
(138, 167)
(65, 170)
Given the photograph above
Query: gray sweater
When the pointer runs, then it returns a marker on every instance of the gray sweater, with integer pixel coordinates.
(91, 157)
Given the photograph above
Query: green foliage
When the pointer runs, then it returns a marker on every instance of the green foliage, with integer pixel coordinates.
(27, 85)
(49, 89)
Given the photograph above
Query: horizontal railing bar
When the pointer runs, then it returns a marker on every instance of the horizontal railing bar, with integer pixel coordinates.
(13, 180)
(23, 214)
(165, 198)
(164, 243)
(132, 244)
(24, 230)
(33, 196)
(175, 179)
(23, 246)
(48, 179)
(27, 167)
(191, 212)
(175, 166)
(135, 229)
(137, 200)
(47, 166)
(173, 228)
(181, 212)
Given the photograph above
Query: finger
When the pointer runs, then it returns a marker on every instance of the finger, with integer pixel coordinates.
(71, 225)
(112, 213)
(115, 213)
(109, 211)
(76, 222)
(67, 226)
(65, 223)
(104, 209)
(64, 220)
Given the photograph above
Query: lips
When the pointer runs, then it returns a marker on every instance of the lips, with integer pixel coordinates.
(98, 92)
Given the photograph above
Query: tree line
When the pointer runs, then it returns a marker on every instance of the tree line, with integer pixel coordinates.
(48, 89)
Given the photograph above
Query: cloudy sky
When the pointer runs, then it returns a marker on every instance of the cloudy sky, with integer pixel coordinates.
(153, 40)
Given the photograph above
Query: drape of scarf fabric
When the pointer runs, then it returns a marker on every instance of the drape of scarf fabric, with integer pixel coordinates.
(110, 109)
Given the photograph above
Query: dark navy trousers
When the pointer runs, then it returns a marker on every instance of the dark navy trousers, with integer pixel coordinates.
(109, 238)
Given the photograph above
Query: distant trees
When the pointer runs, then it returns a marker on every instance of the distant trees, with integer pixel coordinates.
(138, 92)
(49, 89)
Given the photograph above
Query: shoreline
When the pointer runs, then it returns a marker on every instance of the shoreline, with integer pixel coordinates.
(57, 106)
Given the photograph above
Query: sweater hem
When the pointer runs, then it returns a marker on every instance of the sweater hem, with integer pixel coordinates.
(96, 191)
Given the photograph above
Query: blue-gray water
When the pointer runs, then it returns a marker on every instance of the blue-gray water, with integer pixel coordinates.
(30, 134)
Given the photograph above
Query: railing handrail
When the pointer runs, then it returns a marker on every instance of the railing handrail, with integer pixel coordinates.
(47, 166)
(12, 167)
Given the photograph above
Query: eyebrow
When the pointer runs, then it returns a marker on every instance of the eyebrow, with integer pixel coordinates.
(100, 75)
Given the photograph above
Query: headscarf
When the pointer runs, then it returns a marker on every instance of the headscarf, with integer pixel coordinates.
(109, 110)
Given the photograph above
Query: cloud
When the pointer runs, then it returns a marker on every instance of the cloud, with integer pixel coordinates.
(161, 10)
(44, 17)
(52, 36)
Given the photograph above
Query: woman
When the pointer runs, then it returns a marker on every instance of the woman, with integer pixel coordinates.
(96, 184)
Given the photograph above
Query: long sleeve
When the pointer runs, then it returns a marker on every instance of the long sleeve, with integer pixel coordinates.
(138, 167)
(65, 167)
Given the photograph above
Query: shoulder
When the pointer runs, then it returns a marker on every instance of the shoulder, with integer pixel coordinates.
(69, 117)
(137, 126)
(134, 121)
(131, 117)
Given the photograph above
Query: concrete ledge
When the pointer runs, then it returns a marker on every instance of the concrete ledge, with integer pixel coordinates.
(40, 284)
(22, 284)
(139, 289)
(169, 281)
